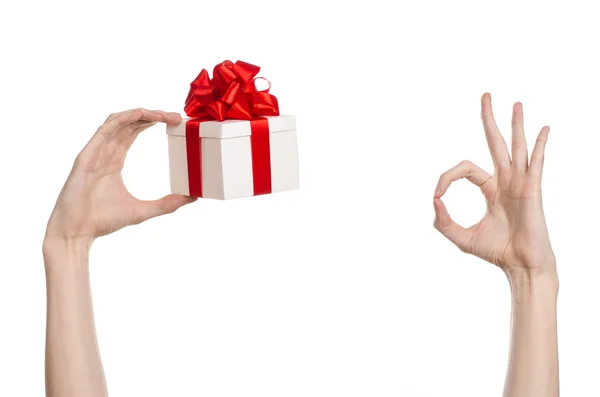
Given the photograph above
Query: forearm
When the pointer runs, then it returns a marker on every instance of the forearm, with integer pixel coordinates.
(533, 363)
(73, 366)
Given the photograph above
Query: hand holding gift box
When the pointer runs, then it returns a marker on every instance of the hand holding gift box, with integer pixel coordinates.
(234, 142)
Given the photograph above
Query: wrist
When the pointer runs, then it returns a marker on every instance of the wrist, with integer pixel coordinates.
(533, 281)
(62, 253)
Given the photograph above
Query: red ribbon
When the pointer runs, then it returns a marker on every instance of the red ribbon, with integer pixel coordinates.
(193, 145)
(230, 94)
(261, 156)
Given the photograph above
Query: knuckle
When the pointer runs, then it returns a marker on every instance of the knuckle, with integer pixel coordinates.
(81, 159)
(106, 131)
(122, 122)
(125, 119)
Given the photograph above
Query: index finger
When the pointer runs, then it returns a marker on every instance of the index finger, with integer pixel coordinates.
(465, 169)
(116, 125)
(115, 115)
(495, 141)
(131, 116)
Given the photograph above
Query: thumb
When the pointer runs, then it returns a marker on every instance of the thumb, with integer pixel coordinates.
(163, 206)
(450, 229)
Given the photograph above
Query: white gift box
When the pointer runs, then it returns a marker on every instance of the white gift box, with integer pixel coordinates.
(226, 158)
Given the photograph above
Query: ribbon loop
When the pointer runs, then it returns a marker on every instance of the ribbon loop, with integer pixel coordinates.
(245, 71)
(252, 87)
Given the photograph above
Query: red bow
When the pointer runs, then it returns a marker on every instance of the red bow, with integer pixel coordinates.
(231, 94)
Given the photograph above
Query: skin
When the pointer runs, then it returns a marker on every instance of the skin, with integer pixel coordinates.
(93, 202)
(513, 236)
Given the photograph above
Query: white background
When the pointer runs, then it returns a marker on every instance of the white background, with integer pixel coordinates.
(342, 288)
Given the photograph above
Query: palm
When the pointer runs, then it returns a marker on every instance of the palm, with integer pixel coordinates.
(512, 232)
(94, 201)
(112, 206)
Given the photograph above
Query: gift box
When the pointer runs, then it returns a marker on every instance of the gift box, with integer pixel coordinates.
(234, 143)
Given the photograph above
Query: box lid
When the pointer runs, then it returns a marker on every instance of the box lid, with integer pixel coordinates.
(233, 128)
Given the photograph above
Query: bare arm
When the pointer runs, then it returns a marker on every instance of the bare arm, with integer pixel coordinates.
(513, 236)
(533, 363)
(73, 366)
(93, 202)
